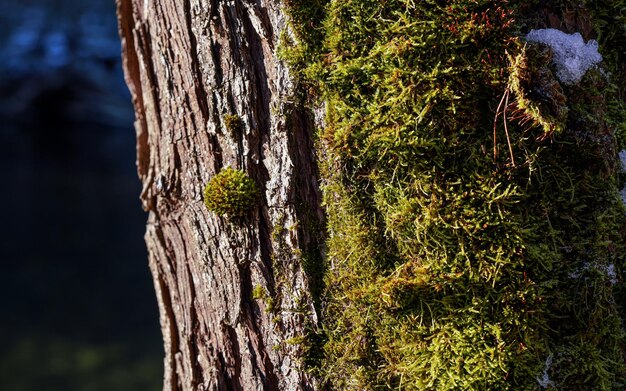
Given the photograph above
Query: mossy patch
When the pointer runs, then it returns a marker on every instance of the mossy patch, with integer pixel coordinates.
(260, 293)
(231, 193)
(539, 98)
(451, 267)
(233, 124)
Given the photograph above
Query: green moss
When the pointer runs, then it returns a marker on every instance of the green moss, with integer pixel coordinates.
(611, 36)
(231, 192)
(295, 340)
(449, 266)
(259, 293)
(233, 124)
(538, 95)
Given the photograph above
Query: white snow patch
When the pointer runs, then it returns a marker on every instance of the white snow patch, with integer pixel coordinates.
(572, 56)
(610, 272)
(544, 381)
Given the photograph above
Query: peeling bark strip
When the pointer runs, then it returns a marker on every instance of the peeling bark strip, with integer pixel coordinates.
(188, 64)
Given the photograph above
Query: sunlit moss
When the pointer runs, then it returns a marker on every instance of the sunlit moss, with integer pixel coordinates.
(537, 94)
(230, 192)
(259, 293)
(455, 248)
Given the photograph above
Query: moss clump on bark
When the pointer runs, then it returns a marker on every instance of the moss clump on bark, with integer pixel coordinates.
(233, 124)
(450, 266)
(230, 192)
(260, 293)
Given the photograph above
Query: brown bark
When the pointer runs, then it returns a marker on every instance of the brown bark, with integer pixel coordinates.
(188, 63)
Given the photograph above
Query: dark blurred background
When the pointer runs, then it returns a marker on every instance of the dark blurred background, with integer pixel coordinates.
(77, 307)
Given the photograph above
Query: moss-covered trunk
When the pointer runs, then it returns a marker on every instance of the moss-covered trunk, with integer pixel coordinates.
(476, 233)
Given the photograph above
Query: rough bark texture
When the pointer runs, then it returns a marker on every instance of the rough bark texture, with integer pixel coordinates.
(188, 64)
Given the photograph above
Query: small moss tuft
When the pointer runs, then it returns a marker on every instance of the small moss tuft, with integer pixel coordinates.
(231, 192)
(258, 293)
(299, 340)
(233, 123)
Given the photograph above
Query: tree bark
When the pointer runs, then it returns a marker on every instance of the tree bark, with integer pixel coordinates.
(187, 65)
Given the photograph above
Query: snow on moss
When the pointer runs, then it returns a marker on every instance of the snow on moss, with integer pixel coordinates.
(606, 269)
(610, 272)
(544, 381)
(572, 57)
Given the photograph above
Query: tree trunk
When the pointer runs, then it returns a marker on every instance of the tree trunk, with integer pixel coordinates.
(449, 266)
(189, 64)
